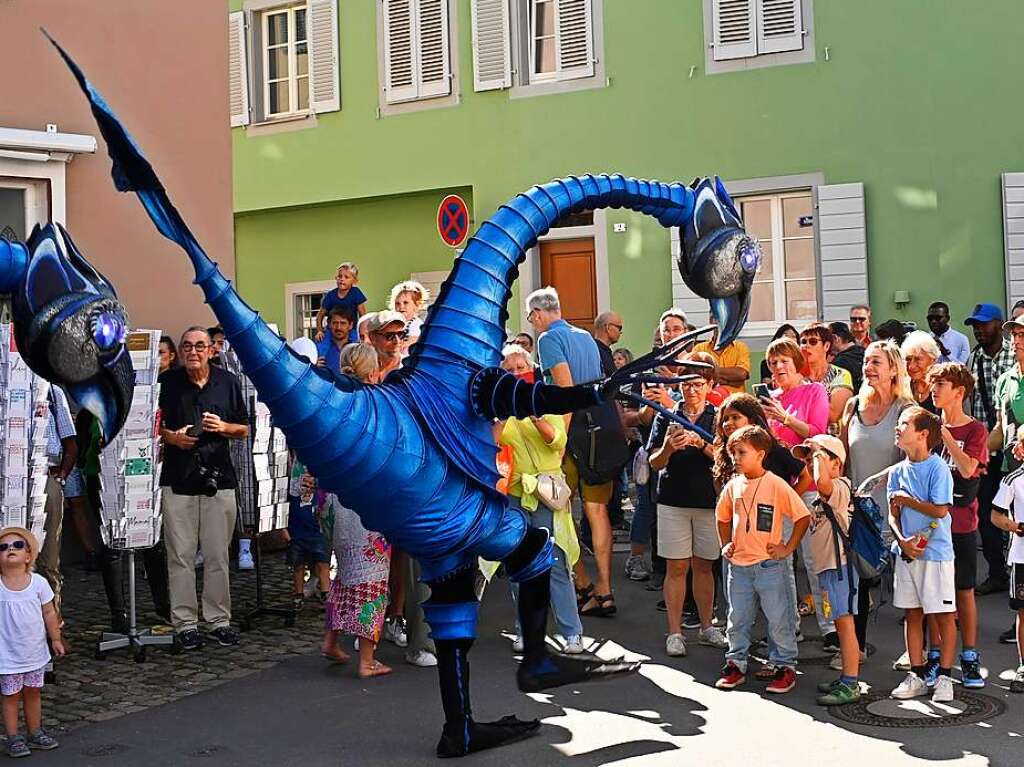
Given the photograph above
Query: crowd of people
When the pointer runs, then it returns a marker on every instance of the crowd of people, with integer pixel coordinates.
(743, 492)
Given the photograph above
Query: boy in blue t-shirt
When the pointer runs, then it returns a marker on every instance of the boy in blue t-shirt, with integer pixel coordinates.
(347, 295)
(920, 492)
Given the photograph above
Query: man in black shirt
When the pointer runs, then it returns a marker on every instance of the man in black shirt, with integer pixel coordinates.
(202, 408)
(849, 354)
(607, 332)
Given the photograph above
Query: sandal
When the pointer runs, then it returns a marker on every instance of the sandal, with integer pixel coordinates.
(603, 606)
(336, 657)
(376, 669)
(583, 595)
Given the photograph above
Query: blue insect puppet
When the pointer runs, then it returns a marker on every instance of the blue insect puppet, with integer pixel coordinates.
(68, 323)
(414, 456)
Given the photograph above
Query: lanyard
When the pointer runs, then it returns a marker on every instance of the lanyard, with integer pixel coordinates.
(753, 502)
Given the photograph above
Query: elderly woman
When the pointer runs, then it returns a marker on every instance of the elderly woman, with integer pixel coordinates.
(920, 352)
(868, 429)
(687, 532)
(816, 343)
(537, 446)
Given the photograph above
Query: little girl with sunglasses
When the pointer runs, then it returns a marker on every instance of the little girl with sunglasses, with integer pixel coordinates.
(27, 616)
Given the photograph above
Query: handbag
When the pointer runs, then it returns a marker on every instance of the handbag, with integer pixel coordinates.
(641, 466)
(552, 489)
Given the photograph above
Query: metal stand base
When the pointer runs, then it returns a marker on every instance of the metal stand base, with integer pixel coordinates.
(135, 640)
(260, 609)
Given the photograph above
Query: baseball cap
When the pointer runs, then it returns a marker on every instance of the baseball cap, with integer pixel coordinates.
(1009, 325)
(382, 319)
(984, 313)
(824, 441)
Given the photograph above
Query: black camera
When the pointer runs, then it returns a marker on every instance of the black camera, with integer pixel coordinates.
(205, 478)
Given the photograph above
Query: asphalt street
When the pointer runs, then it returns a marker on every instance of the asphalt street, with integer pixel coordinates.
(309, 713)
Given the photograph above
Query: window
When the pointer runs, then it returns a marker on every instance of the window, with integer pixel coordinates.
(283, 61)
(756, 33)
(416, 50)
(785, 288)
(306, 307)
(537, 46)
(286, 62)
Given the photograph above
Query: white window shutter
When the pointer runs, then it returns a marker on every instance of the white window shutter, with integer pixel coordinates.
(696, 308)
(434, 58)
(734, 25)
(843, 250)
(238, 70)
(325, 90)
(399, 56)
(574, 39)
(492, 59)
(779, 26)
(1013, 235)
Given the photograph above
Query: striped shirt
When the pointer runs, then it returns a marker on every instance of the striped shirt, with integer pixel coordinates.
(60, 426)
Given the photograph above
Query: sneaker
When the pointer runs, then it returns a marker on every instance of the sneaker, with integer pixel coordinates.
(902, 663)
(656, 583)
(830, 642)
(912, 686)
(1010, 635)
(675, 646)
(661, 608)
(943, 690)
(226, 636)
(691, 621)
(246, 561)
(40, 741)
(970, 669)
(731, 677)
(573, 645)
(421, 658)
(991, 586)
(16, 747)
(311, 587)
(190, 639)
(713, 637)
(784, 681)
(766, 673)
(517, 644)
(1017, 685)
(839, 695)
(395, 632)
(636, 569)
(931, 668)
(828, 685)
(836, 664)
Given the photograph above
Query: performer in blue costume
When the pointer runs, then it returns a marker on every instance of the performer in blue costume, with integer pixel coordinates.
(414, 456)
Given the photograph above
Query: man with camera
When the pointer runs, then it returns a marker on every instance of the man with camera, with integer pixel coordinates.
(202, 408)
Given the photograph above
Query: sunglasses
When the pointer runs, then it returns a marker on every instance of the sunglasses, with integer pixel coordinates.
(617, 327)
(199, 347)
(394, 335)
(16, 545)
(810, 341)
(858, 319)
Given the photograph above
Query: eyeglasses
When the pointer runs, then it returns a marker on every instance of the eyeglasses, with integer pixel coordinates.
(810, 341)
(394, 335)
(617, 327)
(858, 319)
(693, 384)
(199, 347)
(16, 545)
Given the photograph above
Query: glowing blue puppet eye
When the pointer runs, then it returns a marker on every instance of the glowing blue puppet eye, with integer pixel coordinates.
(750, 255)
(108, 331)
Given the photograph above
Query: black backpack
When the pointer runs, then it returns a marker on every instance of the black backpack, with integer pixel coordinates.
(597, 443)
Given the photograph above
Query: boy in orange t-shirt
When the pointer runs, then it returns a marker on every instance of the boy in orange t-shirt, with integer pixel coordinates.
(749, 513)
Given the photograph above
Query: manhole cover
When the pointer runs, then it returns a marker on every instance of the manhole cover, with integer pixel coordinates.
(879, 710)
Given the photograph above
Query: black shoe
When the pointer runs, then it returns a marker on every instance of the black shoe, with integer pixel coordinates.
(557, 670)
(119, 623)
(225, 636)
(690, 620)
(190, 639)
(484, 735)
(992, 586)
(656, 583)
(1009, 636)
(662, 608)
(830, 642)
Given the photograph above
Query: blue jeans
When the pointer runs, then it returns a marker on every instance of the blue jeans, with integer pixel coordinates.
(563, 593)
(766, 582)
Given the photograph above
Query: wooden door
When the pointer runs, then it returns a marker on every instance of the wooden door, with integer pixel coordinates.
(569, 267)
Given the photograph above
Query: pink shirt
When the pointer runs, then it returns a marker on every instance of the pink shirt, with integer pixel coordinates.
(807, 402)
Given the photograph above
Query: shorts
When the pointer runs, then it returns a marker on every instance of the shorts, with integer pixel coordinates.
(307, 551)
(590, 493)
(685, 532)
(1016, 586)
(924, 584)
(11, 684)
(74, 486)
(839, 592)
(965, 560)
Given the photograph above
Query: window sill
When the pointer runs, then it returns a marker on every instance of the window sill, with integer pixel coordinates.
(282, 124)
(551, 87)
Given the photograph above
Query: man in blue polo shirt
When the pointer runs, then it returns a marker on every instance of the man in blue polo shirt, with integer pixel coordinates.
(340, 323)
(569, 356)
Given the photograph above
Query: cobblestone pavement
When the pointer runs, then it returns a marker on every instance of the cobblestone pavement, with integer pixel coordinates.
(92, 690)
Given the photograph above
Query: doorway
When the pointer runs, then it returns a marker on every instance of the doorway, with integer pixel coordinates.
(569, 267)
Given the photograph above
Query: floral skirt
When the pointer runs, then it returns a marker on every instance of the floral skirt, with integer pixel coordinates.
(359, 593)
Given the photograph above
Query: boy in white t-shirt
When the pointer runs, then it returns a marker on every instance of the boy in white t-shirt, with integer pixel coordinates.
(1008, 514)
(27, 616)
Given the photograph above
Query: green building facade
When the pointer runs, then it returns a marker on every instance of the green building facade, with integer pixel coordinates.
(873, 144)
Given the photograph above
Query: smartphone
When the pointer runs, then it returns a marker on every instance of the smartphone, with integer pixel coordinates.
(194, 431)
(762, 390)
